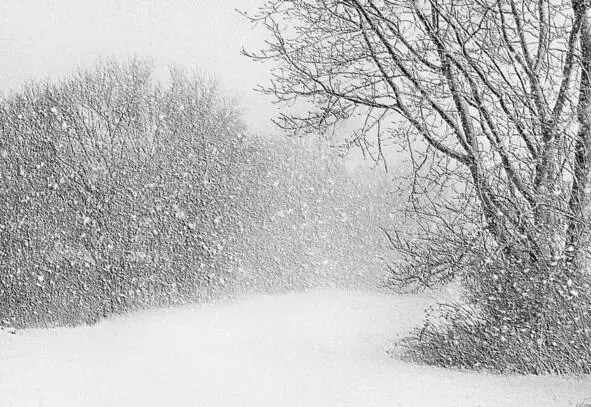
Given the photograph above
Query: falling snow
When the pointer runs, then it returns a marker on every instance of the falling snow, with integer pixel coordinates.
(120, 231)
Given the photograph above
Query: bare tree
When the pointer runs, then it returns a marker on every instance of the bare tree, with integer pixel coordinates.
(491, 98)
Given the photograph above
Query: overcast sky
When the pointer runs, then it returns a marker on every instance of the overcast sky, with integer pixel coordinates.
(50, 38)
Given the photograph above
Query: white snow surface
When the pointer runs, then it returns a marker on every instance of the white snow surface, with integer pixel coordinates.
(315, 348)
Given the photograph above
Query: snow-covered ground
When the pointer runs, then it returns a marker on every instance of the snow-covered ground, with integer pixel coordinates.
(317, 348)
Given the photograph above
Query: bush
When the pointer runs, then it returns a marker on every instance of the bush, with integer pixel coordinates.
(517, 321)
(116, 192)
(517, 311)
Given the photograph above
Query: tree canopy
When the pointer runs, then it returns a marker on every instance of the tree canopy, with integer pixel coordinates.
(492, 101)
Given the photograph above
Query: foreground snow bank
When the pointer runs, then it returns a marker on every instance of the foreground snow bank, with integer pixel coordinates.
(317, 348)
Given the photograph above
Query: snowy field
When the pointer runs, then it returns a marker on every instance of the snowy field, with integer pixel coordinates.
(317, 348)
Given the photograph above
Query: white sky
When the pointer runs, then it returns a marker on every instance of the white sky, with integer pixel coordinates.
(51, 38)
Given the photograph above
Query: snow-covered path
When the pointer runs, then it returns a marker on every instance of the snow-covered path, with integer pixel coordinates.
(317, 348)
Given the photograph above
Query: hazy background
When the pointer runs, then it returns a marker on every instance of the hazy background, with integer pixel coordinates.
(50, 38)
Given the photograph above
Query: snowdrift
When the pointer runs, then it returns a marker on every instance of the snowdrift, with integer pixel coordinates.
(315, 348)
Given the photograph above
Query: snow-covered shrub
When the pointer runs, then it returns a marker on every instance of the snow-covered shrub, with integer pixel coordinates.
(119, 192)
(516, 311)
(512, 320)
(116, 192)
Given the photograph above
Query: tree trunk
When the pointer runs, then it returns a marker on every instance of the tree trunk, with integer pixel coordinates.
(580, 202)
